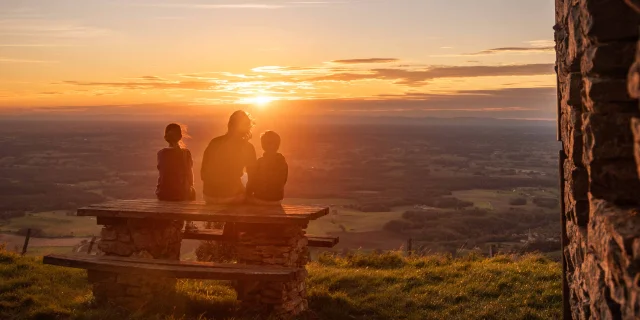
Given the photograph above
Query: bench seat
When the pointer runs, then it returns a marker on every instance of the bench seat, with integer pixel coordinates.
(173, 268)
(216, 235)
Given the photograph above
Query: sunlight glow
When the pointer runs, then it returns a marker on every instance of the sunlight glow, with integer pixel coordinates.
(260, 101)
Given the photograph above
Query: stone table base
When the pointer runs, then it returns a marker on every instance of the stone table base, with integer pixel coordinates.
(281, 245)
(150, 239)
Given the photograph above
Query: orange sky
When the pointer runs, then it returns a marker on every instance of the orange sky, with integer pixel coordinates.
(494, 57)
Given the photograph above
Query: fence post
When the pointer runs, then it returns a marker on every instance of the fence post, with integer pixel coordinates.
(491, 251)
(93, 239)
(26, 242)
(409, 245)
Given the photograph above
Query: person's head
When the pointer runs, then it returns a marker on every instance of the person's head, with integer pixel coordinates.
(270, 141)
(240, 124)
(174, 133)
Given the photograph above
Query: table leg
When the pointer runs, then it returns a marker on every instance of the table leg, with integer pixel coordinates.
(151, 239)
(281, 245)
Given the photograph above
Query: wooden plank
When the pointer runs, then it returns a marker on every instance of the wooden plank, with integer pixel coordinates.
(199, 211)
(216, 235)
(190, 205)
(179, 269)
(322, 242)
(173, 263)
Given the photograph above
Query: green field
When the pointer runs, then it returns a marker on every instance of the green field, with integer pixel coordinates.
(363, 286)
(54, 224)
(499, 199)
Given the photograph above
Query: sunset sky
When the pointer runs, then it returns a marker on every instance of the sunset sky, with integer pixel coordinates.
(491, 58)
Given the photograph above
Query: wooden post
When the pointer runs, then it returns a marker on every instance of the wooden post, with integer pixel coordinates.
(409, 245)
(491, 251)
(93, 239)
(26, 242)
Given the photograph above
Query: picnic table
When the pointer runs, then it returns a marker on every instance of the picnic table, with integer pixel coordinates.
(140, 252)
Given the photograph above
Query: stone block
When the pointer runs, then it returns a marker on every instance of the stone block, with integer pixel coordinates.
(571, 134)
(635, 128)
(115, 248)
(610, 59)
(615, 181)
(569, 41)
(606, 90)
(608, 20)
(614, 233)
(605, 107)
(571, 90)
(607, 136)
(109, 233)
(577, 180)
(634, 4)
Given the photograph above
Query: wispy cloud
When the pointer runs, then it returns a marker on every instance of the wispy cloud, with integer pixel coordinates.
(513, 50)
(364, 61)
(48, 28)
(14, 60)
(184, 85)
(36, 45)
(420, 77)
(210, 6)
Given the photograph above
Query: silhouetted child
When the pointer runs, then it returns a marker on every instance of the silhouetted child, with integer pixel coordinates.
(266, 182)
(175, 168)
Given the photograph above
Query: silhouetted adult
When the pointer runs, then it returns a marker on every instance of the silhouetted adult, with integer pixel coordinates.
(225, 160)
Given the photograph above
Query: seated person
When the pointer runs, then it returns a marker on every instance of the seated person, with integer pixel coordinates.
(266, 182)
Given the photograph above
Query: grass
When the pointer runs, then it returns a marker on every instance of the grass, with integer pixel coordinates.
(54, 224)
(40, 251)
(499, 199)
(362, 286)
(353, 221)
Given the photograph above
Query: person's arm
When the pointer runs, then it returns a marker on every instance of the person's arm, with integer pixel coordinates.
(250, 166)
(204, 167)
(189, 169)
(283, 173)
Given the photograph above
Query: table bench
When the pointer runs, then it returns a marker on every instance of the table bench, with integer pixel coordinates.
(172, 268)
(140, 246)
(217, 235)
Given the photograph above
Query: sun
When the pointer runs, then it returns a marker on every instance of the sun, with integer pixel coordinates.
(261, 101)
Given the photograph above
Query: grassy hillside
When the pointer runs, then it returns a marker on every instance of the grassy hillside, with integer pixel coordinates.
(386, 286)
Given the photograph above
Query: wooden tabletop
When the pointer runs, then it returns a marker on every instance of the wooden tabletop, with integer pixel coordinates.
(200, 211)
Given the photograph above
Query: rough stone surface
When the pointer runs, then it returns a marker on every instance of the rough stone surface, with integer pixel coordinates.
(280, 245)
(598, 67)
(635, 127)
(150, 239)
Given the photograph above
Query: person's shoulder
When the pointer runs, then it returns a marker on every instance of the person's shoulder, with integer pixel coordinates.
(281, 157)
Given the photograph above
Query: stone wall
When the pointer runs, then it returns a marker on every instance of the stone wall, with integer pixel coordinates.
(596, 43)
(141, 238)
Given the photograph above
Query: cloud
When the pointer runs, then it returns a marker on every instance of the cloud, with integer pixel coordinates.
(35, 27)
(13, 60)
(367, 60)
(183, 85)
(513, 50)
(420, 77)
(36, 45)
(211, 6)
(530, 103)
(541, 43)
